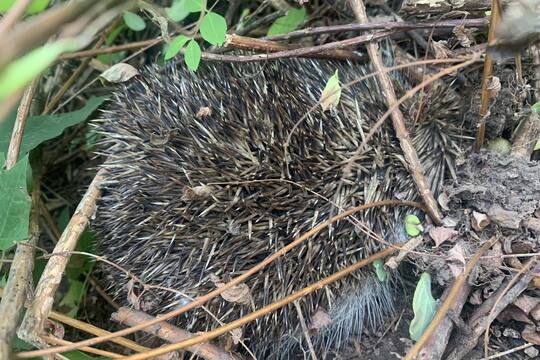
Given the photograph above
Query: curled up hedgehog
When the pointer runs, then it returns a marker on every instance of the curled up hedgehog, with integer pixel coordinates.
(199, 189)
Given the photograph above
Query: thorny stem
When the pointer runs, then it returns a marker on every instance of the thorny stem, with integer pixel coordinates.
(415, 167)
(203, 299)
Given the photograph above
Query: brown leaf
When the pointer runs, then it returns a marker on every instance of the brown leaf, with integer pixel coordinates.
(441, 234)
(319, 320)
(479, 221)
(119, 73)
(239, 294)
(530, 334)
(463, 35)
(203, 112)
(132, 298)
(456, 259)
(512, 312)
(526, 303)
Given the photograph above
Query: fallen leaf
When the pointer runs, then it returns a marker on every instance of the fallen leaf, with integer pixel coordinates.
(479, 221)
(331, 93)
(456, 259)
(527, 303)
(530, 334)
(319, 320)
(119, 73)
(441, 234)
(512, 312)
(238, 294)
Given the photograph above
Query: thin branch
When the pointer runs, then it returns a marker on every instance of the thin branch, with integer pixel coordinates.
(171, 333)
(20, 272)
(411, 157)
(486, 79)
(20, 121)
(382, 25)
(237, 280)
(40, 307)
(56, 341)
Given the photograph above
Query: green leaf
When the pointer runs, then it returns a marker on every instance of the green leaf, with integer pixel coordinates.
(20, 72)
(36, 6)
(175, 46)
(194, 5)
(331, 93)
(213, 28)
(134, 21)
(537, 146)
(413, 226)
(69, 304)
(381, 272)
(178, 10)
(287, 23)
(192, 55)
(41, 128)
(16, 204)
(536, 107)
(424, 306)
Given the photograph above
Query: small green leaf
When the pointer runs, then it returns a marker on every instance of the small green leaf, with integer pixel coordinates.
(20, 72)
(413, 226)
(178, 10)
(41, 128)
(16, 204)
(536, 107)
(192, 55)
(424, 306)
(194, 5)
(134, 21)
(35, 7)
(487, 13)
(537, 146)
(381, 272)
(72, 298)
(175, 46)
(213, 28)
(331, 93)
(287, 23)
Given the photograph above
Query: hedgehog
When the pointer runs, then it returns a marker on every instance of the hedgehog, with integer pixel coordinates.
(200, 188)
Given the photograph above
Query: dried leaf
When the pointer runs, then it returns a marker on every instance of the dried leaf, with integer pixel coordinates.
(239, 294)
(456, 259)
(203, 112)
(530, 334)
(527, 303)
(479, 221)
(132, 298)
(319, 320)
(513, 313)
(441, 234)
(119, 73)
(463, 35)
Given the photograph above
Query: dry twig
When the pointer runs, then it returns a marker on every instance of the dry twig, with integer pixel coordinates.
(413, 162)
(170, 333)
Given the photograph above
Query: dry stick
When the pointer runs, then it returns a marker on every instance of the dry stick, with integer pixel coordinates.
(512, 282)
(411, 157)
(14, 13)
(441, 312)
(20, 273)
(110, 49)
(479, 319)
(423, 7)
(486, 78)
(41, 305)
(510, 351)
(263, 311)
(57, 341)
(91, 329)
(237, 280)
(20, 121)
(243, 42)
(170, 333)
(383, 25)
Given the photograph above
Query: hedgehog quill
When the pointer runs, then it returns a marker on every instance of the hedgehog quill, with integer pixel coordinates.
(199, 189)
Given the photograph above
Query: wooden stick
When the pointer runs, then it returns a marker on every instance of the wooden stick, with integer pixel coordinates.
(413, 162)
(171, 333)
(40, 307)
(20, 272)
